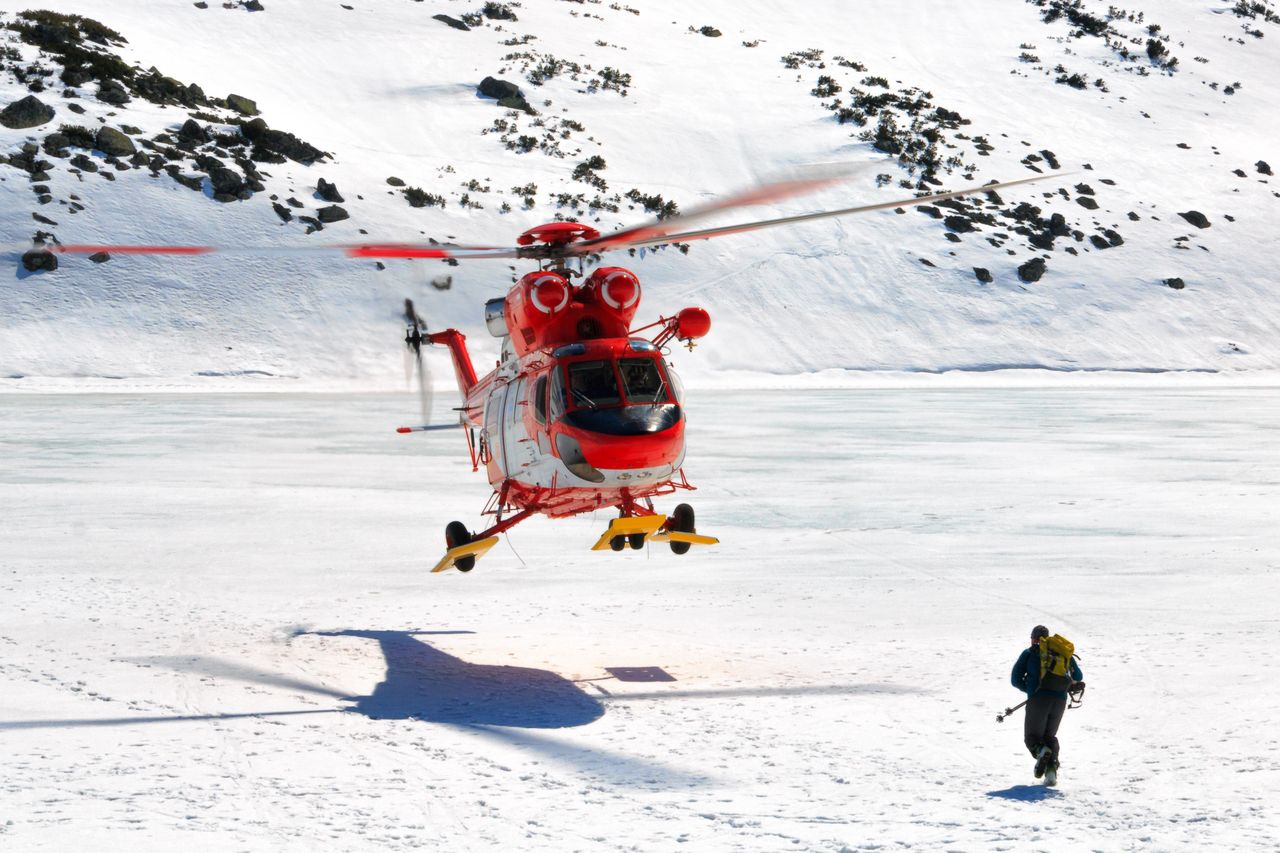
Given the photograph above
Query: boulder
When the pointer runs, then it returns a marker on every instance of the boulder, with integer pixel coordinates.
(113, 142)
(983, 274)
(274, 146)
(111, 92)
(242, 105)
(1042, 241)
(1262, 167)
(192, 131)
(1175, 283)
(84, 162)
(960, 224)
(159, 89)
(1032, 270)
(332, 213)
(453, 22)
(491, 87)
(100, 257)
(225, 181)
(395, 182)
(1087, 203)
(508, 95)
(281, 211)
(27, 112)
(1196, 218)
(36, 260)
(56, 144)
(328, 192)
(253, 129)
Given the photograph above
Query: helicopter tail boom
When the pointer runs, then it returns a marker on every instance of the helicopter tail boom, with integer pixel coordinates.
(462, 367)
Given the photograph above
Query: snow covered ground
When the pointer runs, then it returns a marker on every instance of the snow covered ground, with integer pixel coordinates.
(216, 627)
(217, 630)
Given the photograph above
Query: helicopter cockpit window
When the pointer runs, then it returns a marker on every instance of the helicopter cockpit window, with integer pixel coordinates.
(555, 401)
(642, 380)
(592, 384)
(540, 400)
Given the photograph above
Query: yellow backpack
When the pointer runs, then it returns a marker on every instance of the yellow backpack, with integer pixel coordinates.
(1055, 663)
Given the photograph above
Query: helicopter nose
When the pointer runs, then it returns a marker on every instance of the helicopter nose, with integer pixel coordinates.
(614, 451)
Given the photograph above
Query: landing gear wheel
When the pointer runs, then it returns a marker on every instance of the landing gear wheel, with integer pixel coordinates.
(682, 522)
(617, 543)
(635, 540)
(455, 534)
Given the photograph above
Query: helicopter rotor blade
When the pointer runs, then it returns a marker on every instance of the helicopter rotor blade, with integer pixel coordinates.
(801, 182)
(364, 250)
(725, 230)
(649, 234)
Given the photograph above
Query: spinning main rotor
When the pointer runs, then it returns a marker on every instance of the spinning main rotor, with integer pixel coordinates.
(557, 242)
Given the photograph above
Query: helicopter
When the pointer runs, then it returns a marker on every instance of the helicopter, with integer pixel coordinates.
(583, 412)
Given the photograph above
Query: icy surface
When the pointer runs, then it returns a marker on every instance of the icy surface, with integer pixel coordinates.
(217, 630)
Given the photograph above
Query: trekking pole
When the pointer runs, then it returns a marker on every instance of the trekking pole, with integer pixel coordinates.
(1008, 711)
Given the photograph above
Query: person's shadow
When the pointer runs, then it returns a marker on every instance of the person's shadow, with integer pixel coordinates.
(424, 683)
(1026, 793)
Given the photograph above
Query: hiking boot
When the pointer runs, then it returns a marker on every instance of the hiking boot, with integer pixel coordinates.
(1043, 759)
(1051, 774)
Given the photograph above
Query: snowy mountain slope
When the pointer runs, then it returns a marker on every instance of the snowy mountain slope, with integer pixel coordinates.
(389, 91)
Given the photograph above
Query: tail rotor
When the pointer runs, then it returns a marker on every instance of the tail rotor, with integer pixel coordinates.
(415, 336)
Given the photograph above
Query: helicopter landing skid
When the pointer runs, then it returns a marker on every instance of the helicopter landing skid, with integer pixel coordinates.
(636, 525)
(470, 549)
(679, 536)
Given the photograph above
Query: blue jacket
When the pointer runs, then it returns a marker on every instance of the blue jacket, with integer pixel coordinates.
(1026, 673)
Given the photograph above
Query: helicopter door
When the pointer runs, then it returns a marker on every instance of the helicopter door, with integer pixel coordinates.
(493, 428)
(518, 446)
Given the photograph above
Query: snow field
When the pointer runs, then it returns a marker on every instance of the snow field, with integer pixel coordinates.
(838, 660)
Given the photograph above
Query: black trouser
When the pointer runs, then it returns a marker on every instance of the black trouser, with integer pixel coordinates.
(1040, 725)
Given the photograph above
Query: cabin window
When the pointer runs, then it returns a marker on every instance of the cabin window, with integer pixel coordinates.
(642, 380)
(540, 400)
(592, 384)
(555, 397)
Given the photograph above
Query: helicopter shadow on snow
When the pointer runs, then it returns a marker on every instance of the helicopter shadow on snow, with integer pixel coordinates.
(424, 683)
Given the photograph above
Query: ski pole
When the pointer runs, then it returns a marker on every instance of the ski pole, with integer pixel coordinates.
(1008, 711)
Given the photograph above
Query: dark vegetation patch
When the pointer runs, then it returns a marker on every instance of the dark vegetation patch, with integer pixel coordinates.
(1137, 45)
(930, 142)
(211, 144)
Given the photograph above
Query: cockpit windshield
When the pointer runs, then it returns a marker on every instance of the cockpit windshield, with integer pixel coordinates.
(641, 380)
(603, 383)
(592, 384)
(626, 396)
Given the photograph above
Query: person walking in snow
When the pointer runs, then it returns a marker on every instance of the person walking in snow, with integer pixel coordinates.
(1045, 706)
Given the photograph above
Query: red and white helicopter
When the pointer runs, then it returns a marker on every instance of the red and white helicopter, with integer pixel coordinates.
(582, 412)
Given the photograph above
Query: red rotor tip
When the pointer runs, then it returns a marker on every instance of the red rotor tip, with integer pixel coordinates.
(404, 429)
